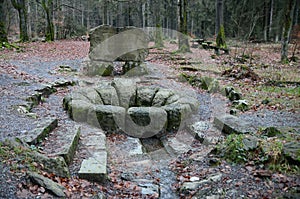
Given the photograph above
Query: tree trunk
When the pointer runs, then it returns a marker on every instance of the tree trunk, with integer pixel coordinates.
(271, 17)
(183, 43)
(47, 6)
(219, 15)
(20, 6)
(105, 7)
(3, 34)
(266, 15)
(287, 27)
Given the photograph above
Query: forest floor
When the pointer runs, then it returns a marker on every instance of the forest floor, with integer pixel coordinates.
(272, 91)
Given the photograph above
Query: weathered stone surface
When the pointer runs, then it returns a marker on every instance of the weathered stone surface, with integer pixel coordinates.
(42, 130)
(292, 151)
(175, 146)
(121, 94)
(232, 124)
(95, 141)
(94, 168)
(48, 184)
(144, 122)
(149, 188)
(177, 113)
(122, 44)
(126, 90)
(78, 110)
(250, 142)
(145, 95)
(192, 185)
(161, 97)
(173, 99)
(67, 143)
(136, 70)
(136, 147)
(108, 94)
(73, 96)
(56, 165)
(98, 67)
(193, 102)
(110, 118)
(91, 94)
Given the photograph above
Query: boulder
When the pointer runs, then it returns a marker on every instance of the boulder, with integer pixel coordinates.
(118, 44)
(91, 94)
(110, 118)
(232, 124)
(177, 113)
(193, 102)
(292, 151)
(78, 110)
(145, 95)
(126, 90)
(144, 122)
(108, 94)
(98, 67)
(161, 97)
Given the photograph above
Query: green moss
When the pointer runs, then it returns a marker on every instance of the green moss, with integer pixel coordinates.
(220, 40)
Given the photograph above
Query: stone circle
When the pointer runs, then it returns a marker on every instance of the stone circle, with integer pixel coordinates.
(123, 106)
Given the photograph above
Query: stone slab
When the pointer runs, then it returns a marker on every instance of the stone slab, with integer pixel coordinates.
(94, 168)
(175, 146)
(63, 142)
(43, 129)
(231, 124)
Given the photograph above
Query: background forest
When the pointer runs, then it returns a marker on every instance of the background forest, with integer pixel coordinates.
(260, 20)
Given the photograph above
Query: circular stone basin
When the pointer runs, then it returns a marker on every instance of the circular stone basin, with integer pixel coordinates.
(121, 105)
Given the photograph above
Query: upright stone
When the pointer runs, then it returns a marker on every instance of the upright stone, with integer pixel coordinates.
(126, 90)
(108, 44)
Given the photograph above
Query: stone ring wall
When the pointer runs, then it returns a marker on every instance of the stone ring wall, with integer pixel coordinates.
(121, 105)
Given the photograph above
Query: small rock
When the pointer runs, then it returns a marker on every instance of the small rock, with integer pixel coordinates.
(48, 184)
(193, 179)
(233, 95)
(250, 142)
(292, 151)
(215, 178)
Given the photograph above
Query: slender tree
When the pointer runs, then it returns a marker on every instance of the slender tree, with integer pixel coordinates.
(183, 43)
(20, 6)
(220, 40)
(287, 27)
(3, 34)
(47, 6)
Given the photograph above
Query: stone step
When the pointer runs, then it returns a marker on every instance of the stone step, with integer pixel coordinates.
(231, 124)
(42, 130)
(93, 167)
(63, 141)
